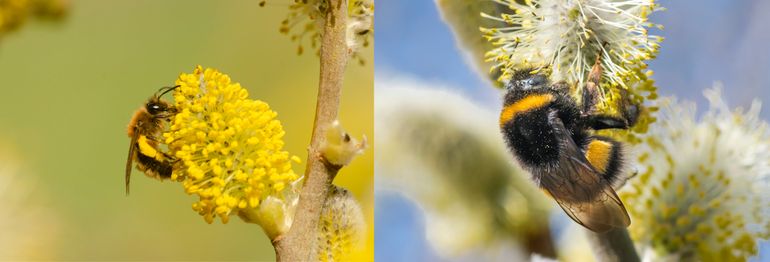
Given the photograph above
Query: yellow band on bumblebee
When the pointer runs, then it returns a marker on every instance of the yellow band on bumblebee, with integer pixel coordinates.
(598, 154)
(525, 104)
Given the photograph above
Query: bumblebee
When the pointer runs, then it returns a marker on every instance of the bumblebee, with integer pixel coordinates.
(552, 137)
(145, 129)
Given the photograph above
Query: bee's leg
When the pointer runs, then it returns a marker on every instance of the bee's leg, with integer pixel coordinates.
(166, 156)
(629, 116)
(169, 157)
(590, 96)
(591, 89)
(599, 122)
(630, 110)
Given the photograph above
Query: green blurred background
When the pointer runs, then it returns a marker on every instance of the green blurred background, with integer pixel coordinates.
(70, 88)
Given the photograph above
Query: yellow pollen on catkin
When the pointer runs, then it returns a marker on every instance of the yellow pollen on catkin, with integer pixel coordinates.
(341, 227)
(228, 146)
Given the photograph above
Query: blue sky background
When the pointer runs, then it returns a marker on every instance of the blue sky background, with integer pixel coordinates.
(705, 41)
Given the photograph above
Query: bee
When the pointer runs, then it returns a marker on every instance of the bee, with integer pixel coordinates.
(145, 129)
(552, 137)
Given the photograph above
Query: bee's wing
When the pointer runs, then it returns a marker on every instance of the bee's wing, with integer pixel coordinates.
(583, 194)
(130, 161)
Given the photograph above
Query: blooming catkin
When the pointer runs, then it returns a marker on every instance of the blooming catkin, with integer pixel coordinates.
(13, 13)
(467, 184)
(360, 26)
(564, 38)
(306, 19)
(568, 35)
(341, 227)
(701, 189)
(228, 147)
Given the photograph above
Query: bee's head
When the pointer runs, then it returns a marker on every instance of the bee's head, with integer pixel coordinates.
(157, 107)
(525, 80)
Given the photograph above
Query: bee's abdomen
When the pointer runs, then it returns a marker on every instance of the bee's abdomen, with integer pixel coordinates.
(606, 156)
(532, 139)
(153, 167)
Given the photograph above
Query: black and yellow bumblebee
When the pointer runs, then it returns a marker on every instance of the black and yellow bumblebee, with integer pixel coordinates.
(551, 136)
(145, 129)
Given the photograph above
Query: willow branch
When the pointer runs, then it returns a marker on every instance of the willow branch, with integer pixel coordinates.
(298, 242)
(614, 245)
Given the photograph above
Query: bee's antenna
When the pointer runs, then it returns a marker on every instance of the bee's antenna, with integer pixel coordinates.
(166, 89)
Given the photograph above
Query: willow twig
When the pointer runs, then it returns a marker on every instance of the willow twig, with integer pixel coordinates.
(298, 242)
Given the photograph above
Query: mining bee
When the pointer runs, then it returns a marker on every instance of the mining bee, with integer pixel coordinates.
(551, 137)
(145, 129)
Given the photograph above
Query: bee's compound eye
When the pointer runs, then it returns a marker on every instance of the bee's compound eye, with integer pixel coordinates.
(534, 81)
(537, 80)
(153, 108)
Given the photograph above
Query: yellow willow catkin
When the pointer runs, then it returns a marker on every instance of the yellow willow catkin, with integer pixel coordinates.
(14, 13)
(341, 227)
(228, 147)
